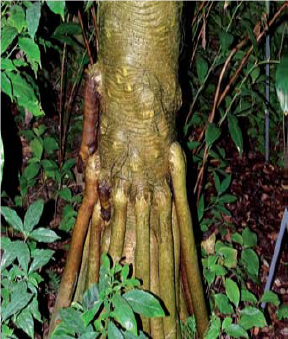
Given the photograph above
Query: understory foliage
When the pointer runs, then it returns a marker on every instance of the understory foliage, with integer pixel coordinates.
(33, 31)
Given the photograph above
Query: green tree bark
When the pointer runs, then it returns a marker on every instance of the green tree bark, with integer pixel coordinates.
(141, 163)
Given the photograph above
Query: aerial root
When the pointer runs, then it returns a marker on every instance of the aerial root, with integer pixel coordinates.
(162, 196)
(142, 252)
(177, 169)
(69, 278)
(118, 222)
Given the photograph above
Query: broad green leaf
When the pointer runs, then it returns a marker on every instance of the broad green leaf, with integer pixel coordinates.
(12, 218)
(6, 85)
(65, 193)
(7, 64)
(8, 34)
(31, 171)
(33, 15)
(248, 296)
(227, 199)
(209, 276)
(225, 184)
(144, 303)
(218, 269)
(89, 335)
(37, 147)
(214, 328)
(226, 322)
(72, 319)
(250, 32)
(1, 160)
(223, 304)
(237, 237)
(68, 164)
(23, 254)
(232, 291)
(31, 49)
(17, 18)
(123, 314)
(62, 332)
(19, 299)
(212, 133)
(51, 168)
(114, 332)
(193, 144)
(71, 28)
(251, 261)
(33, 215)
(283, 312)
(202, 68)
(33, 308)
(57, 7)
(230, 256)
(89, 315)
(44, 235)
(25, 94)
(236, 331)
(249, 238)
(10, 254)
(25, 321)
(40, 258)
(50, 145)
(226, 40)
(252, 317)
(271, 297)
(235, 132)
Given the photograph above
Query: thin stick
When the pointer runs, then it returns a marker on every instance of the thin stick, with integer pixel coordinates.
(85, 38)
(97, 34)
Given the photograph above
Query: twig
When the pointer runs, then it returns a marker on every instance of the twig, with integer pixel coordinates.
(97, 35)
(85, 38)
(198, 11)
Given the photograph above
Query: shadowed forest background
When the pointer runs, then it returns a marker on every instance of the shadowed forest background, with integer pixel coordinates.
(235, 196)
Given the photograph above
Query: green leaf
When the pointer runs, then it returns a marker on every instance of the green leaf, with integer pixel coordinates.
(65, 193)
(31, 171)
(71, 28)
(89, 315)
(270, 297)
(114, 332)
(252, 317)
(68, 164)
(1, 156)
(202, 68)
(237, 237)
(212, 134)
(193, 144)
(214, 328)
(25, 322)
(144, 303)
(50, 145)
(218, 269)
(57, 7)
(44, 235)
(19, 299)
(10, 254)
(200, 209)
(12, 218)
(37, 147)
(7, 64)
(41, 257)
(33, 15)
(50, 168)
(236, 331)
(23, 254)
(123, 313)
(17, 18)
(72, 319)
(232, 291)
(235, 133)
(222, 303)
(226, 322)
(249, 238)
(33, 215)
(226, 40)
(6, 85)
(225, 184)
(251, 261)
(250, 32)
(230, 256)
(8, 34)
(227, 199)
(283, 312)
(31, 49)
(248, 296)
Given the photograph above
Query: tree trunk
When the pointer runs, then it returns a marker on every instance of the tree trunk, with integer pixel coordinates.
(139, 163)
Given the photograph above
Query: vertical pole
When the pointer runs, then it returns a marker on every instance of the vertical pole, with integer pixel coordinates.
(267, 94)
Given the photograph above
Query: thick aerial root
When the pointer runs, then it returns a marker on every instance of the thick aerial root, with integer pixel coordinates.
(118, 223)
(156, 324)
(94, 246)
(177, 169)
(142, 253)
(69, 278)
(162, 197)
